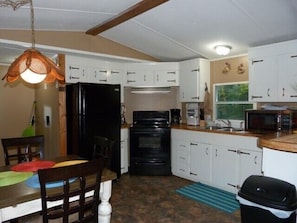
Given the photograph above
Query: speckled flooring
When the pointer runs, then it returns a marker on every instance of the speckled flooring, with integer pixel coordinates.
(142, 199)
(150, 199)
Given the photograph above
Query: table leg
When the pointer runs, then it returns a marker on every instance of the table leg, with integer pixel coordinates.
(105, 209)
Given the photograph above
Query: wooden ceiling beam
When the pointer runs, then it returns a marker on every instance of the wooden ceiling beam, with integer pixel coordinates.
(131, 12)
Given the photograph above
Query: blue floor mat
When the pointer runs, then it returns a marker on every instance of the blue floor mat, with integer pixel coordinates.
(211, 196)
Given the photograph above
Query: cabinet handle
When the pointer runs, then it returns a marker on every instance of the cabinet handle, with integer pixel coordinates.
(268, 90)
(158, 77)
(197, 97)
(232, 185)
(184, 146)
(130, 81)
(144, 77)
(171, 81)
(195, 174)
(72, 77)
(73, 68)
(130, 72)
(171, 72)
(255, 160)
(244, 153)
(294, 56)
(182, 170)
(114, 72)
(257, 61)
(232, 150)
(193, 144)
(182, 158)
(103, 80)
(293, 96)
(283, 92)
(103, 71)
(197, 69)
(255, 96)
(206, 151)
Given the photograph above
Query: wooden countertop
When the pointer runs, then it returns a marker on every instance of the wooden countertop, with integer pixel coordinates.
(283, 141)
(204, 129)
(280, 141)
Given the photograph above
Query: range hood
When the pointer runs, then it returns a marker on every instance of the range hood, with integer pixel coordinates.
(150, 90)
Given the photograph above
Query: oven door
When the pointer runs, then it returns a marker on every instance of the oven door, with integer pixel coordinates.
(149, 142)
(150, 151)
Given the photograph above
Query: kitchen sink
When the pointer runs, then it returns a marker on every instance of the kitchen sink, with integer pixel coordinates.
(226, 129)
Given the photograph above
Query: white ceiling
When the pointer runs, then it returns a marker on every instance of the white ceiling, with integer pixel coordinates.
(174, 31)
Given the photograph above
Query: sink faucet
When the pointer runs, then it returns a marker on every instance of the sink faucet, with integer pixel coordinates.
(227, 122)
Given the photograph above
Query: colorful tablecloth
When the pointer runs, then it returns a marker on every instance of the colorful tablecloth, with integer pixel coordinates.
(11, 177)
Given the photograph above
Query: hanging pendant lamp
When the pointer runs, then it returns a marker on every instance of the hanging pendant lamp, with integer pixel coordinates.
(32, 66)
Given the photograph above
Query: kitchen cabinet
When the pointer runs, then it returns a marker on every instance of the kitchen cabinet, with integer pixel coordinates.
(224, 167)
(75, 71)
(124, 150)
(190, 159)
(166, 74)
(273, 72)
(98, 73)
(250, 161)
(193, 76)
(180, 157)
(287, 64)
(138, 75)
(200, 162)
(151, 74)
(220, 160)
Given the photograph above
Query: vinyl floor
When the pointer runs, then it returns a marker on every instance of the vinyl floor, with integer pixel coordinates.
(150, 199)
(142, 199)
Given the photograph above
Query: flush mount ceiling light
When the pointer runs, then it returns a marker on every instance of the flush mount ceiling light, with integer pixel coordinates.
(32, 66)
(223, 50)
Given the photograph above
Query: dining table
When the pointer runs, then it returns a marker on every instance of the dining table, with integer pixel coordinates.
(19, 199)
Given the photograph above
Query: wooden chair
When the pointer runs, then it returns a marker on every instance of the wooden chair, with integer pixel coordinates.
(103, 149)
(83, 210)
(23, 149)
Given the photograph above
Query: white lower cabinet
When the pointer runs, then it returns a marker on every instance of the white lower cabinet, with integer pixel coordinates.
(124, 150)
(224, 167)
(200, 162)
(220, 160)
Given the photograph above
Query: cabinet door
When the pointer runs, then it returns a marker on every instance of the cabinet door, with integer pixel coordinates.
(189, 81)
(287, 69)
(200, 162)
(165, 78)
(224, 168)
(263, 82)
(124, 151)
(250, 163)
(140, 78)
(76, 74)
(98, 75)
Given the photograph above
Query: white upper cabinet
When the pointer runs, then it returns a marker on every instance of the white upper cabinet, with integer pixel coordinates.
(138, 74)
(75, 70)
(166, 74)
(193, 76)
(273, 72)
(151, 74)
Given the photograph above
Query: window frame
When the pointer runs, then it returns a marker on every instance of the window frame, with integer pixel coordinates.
(235, 102)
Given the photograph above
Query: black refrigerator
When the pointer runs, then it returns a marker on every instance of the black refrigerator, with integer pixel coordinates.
(93, 109)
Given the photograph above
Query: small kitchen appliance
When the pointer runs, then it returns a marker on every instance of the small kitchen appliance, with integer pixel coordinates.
(192, 113)
(270, 120)
(175, 116)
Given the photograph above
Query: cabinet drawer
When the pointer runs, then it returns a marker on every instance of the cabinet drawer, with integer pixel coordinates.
(182, 169)
(183, 157)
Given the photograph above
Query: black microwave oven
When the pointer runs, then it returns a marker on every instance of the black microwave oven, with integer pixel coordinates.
(270, 120)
